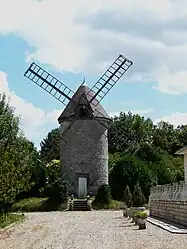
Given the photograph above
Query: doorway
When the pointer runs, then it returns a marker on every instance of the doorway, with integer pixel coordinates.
(82, 187)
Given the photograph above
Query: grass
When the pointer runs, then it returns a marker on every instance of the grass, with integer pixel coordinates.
(36, 205)
(113, 205)
(7, 219)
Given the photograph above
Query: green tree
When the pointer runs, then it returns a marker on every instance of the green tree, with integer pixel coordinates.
(56, 186)
(128, 131)
(50, 146)
(113, 159)
(166, 137)
(15, 157)
(129, 170)
(138, 198)
(127, 197)
(103, 195)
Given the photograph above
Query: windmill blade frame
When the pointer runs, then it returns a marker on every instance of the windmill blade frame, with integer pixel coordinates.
(49, 83)
(110, 77)
(64, 94)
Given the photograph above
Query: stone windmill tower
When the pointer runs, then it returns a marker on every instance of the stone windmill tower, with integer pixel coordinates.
(83, 126)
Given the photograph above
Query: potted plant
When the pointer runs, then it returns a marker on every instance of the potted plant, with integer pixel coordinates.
(127, 198)
(138, 201)
(71, 200)
(89, 203)
(140, 219)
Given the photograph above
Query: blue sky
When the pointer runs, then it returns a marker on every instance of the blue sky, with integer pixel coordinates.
(74, 43)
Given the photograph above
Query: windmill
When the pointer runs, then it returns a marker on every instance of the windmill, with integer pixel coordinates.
(83, 125)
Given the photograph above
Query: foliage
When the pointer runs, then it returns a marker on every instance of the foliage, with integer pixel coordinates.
(7, 219)
(113, 159)
(56, 187)
(133, 130)
(145, 153)
(29, 205)
(139, 151)
(50, 146)
(16, 157)
(35, 205)
(141, 215)
(112, 205)
(57, 191)
(129, 170)
(138, 198)
(103, 195)
(127, 197)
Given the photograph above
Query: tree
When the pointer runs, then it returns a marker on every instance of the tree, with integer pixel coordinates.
(16, 159)
(138, 198)
(56, 187)
(113, 159)
(166, 137)
(130, 169)
(127, 197)
(103, 195)
(127, 131)
(50, 146)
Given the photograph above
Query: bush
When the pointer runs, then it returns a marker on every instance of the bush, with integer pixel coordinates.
(57, 191)
(36, 205)
(138, 198)
(103, 195)
(141, 215)
(127, 197)
(29, 205)
(56, 188)
(112, 205)
(7, 219)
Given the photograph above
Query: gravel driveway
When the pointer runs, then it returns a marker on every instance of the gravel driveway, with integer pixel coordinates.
(86, 230)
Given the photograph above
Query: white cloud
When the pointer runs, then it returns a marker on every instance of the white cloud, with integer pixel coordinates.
(141, 112)
(176, 119)
(33, 119)
(86, 35)
(174, 83)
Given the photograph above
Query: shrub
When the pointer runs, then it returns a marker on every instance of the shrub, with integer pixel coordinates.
(103, 195)
(7, 219)
(56, 187)
(37, 205)
(127, 198)
(138, 198)
(57, 191)
(141, 215)
(112, 205)
(29, 205)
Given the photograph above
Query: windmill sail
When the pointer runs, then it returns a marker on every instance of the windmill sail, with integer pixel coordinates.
(109, 79)
(49, 83)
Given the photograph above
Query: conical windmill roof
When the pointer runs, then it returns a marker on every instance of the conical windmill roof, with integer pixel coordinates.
(98, 110)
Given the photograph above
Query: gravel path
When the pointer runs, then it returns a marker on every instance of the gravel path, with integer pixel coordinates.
(86, 230)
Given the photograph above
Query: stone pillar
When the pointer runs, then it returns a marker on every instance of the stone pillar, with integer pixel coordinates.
(185, 167)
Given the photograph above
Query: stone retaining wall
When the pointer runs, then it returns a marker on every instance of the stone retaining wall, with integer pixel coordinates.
(169, 202)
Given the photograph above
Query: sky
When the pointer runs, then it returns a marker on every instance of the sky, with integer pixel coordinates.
(76, 39)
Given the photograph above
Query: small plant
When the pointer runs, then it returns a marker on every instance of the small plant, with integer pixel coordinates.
(7, 219)
(57, 191)
(141, 215)
(138, 198)
(127, 198)
(113, 205)
(103, 195)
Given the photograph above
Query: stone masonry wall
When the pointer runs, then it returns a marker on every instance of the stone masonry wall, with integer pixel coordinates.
(85, 152)
(169, 202)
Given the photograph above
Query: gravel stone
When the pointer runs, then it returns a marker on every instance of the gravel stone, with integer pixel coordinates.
(87, 230)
